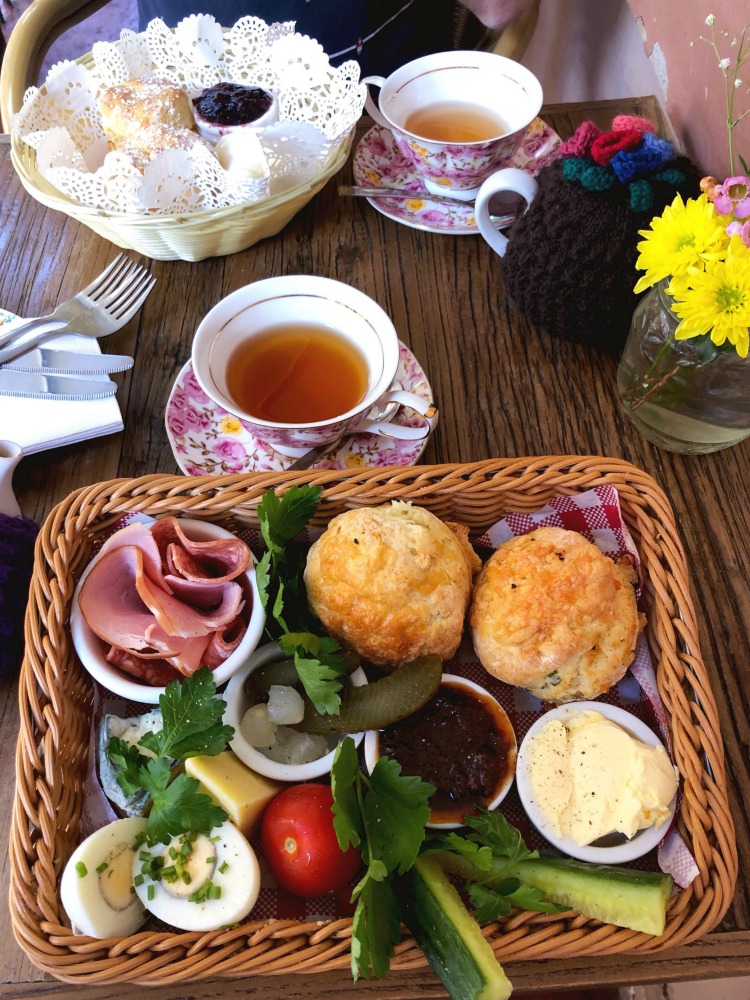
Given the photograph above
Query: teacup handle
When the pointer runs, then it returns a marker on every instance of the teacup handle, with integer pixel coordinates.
(508, 179)
(425, 407)
(370, 106)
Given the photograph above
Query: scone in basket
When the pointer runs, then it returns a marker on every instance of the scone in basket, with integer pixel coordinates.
(56, 703)
(184, 205)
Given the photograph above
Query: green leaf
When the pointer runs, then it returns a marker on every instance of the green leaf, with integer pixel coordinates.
(376, 872)
(129, 762)
(345, 773)
(376, 930)
(278, 605)
(527, 897)
(488, 903)
(181, 808)
(283, 518)
(395, 811)
(263, 578)
(494, 831)
(320, 671)
(155, 776)
(321, 684)
(191, 715)
(480, 857)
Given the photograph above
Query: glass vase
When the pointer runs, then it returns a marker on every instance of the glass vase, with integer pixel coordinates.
(687, 396)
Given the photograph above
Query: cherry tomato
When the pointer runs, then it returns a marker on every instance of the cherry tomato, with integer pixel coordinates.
(300, 845)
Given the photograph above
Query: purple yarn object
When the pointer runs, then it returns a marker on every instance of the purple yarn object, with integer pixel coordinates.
(17, 537)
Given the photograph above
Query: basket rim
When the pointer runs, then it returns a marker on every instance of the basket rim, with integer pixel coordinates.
(265, 946)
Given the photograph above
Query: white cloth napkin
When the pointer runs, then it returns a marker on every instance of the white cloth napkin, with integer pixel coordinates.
(37, 424)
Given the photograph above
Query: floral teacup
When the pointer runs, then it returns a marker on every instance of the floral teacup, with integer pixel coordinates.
(457, 116)
(265, 307)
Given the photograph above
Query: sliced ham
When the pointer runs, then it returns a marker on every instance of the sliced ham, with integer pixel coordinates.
(157, 673)
(110, 603)
(218, 559)
(140, 536)
(224, 642)
(163, 604)
(186, 655)
(178, 618)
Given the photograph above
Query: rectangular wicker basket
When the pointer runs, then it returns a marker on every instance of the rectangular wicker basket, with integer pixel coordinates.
(55, 695)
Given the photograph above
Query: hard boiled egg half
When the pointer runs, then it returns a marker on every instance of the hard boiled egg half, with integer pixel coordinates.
(96, 886)
(199, 883)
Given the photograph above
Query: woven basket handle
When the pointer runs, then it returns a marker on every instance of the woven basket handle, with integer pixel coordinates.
(37, 28)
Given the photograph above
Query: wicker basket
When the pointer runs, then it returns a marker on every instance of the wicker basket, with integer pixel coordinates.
(193, 236)
(55, 696)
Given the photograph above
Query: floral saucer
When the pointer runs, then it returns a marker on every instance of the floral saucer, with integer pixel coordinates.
(377, 162)
(208, 441)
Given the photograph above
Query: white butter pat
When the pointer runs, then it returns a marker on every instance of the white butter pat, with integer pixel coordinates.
(241, 154)
(591, 778)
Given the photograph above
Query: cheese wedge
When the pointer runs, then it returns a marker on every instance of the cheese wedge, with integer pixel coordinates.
(242, 793)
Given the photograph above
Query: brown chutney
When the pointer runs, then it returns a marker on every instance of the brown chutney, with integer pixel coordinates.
(462, 742)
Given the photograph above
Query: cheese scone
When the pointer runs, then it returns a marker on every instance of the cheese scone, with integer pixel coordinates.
(392, 583)
(552, 614)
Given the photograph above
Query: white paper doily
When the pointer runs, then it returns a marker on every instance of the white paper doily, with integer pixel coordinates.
(318, 106)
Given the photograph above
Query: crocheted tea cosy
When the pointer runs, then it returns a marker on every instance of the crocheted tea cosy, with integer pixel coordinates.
(570, 262)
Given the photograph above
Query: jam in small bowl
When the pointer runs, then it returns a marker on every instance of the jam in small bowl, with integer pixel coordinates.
(227, 107)
(461, 741)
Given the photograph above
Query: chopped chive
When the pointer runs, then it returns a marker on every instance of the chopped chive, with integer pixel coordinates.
(150, 891)
(81, 869)
(223, 867)
(173, 853)
(139, 880)
(186, 878)
(102, 867)
(144, 856)
(211, 861)
(214, 892)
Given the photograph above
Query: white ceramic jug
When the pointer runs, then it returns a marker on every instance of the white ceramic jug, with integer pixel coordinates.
(10, 456)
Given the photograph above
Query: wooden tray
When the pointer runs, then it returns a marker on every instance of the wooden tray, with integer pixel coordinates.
(55, 701)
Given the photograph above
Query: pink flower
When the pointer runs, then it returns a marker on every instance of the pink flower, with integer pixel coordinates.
(231, 450)
(434, 217)
(196, 418)
(194, 391)
(179, 400)
(733, 197)
(194, 470)
(741, 230)
(177, 423)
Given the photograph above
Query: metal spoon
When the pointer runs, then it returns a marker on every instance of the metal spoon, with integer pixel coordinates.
(352, 191)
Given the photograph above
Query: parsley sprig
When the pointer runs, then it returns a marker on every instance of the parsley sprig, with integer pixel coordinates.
(279, 576)
(191, 725)
(490, 859)
(384, 816)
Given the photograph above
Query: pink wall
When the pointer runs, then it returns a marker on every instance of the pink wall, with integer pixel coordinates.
(695, 96)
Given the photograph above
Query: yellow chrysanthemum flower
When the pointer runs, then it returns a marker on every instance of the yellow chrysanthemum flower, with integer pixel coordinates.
(686, 234)
(717, 300)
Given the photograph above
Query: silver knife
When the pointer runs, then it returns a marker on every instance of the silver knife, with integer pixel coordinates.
(44, 359)
(38, 386)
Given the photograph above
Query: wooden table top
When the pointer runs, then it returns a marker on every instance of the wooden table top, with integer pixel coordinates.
(503, 390)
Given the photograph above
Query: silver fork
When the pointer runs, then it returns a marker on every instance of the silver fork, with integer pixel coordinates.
(101, 308)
